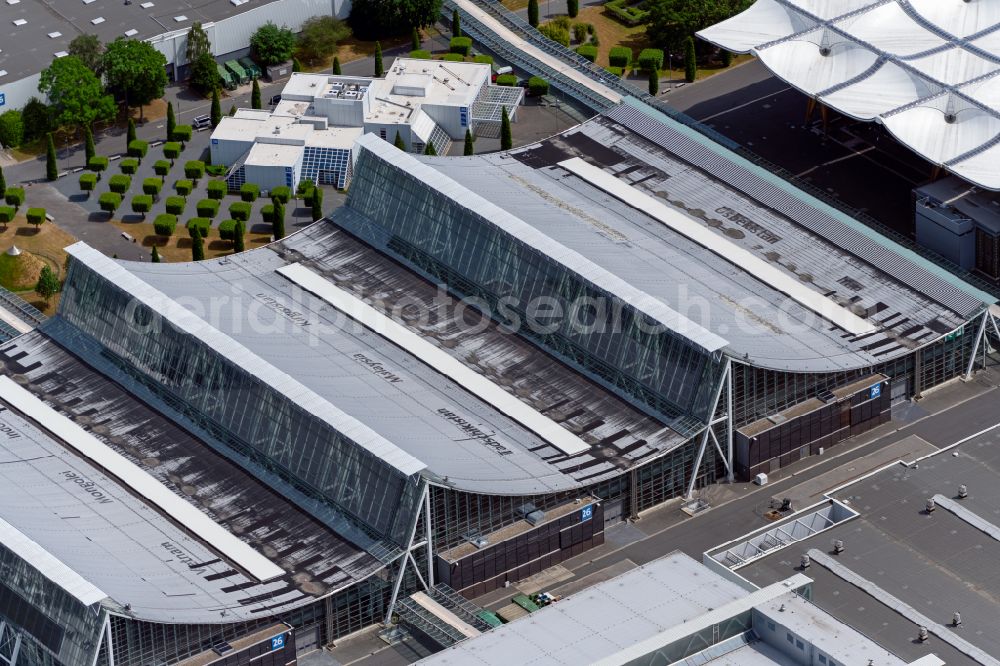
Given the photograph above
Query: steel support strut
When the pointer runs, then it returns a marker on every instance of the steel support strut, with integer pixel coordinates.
(404, 558)
(726, 373)
(975, 347)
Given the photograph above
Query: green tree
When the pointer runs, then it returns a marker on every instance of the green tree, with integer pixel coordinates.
(654, 81)
(232, 110)
(204, 73)
(51, 166)
(3, 184)
(130, 135)
(255, 96)
(429, 149)
(319, 38)
(379, 69)
(135, 70)
(336, 65)
(726, 56)
(669, 22)
(272, 45)
(197, 245)
(11, 128)
(415, 39)
(36, 117)
(88, 143)
(75, 93)
(278, 219)
(506, 139)
(296, 65)
(171, 121)
(48, 284)
(456, 25)
(533, 13)
(317, 204)
(90, 51)
(690, 64)
(372, 19)
(572, 8)
(238, 234)
(197, 43)
(469, 148)
(155, 258)
(217, 107)
(398, 142)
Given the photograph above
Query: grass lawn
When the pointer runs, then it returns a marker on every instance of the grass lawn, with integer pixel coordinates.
(178, 247)
(46, 243)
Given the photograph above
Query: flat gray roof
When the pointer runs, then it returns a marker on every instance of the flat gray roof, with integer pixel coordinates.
(936, 564)
(603, 621)
(465, 441)
(909, 305)
(126, 547)
(27, 49)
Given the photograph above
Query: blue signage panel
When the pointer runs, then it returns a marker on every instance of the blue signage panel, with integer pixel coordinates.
(215, 142)
(463, 116)
(875, 392)
(278, 642)
(586, 513)
(3, 99)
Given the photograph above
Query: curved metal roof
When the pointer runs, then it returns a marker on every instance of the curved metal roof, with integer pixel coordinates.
(926, 69)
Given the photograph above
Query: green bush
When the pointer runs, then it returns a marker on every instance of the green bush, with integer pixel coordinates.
(165, 225)
(175, 205)
(538, 86)
(555, 33)
(580, 32)
(506, 80)
(620, 56)
(138, 148)
(483, 58)
(420, 54)
(142, 203)
(129, 165)
(305, 185)
(617, 71)
(624, 13)
(98, 163)
(227, 230)
(282, 193)
(217, 189)
(7, 214)
(110, 201)
(171, 150)
(240, 211)
(14, 196)
(650, 59)
(36, 216)
(183, 187)
(588, 51)
(453, 57)
(202, 223)
(267, 213)
(194, 169)
(182, 133)
(11, 128)
(152, 186)
(249, 192)
(591, 30)
(207, 208)
(216, 169)
(88, 182)
(161, 167)
(561, 22)
(119, 183)
(461, 45)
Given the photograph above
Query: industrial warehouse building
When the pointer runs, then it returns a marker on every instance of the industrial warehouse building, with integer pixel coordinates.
(310, 132)
(456, 381)
(32, 34)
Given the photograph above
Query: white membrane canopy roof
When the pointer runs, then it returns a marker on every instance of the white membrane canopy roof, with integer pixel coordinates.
(926, 69)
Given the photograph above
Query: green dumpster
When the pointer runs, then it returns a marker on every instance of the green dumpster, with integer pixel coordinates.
(241, 75)
(250, 66)
(228, 81)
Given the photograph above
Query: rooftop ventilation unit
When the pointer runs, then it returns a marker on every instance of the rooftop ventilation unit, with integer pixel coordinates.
(13, 2)
(53, 35)
(19, 22)
(180, 19)
(147, 5)
(97, 21)
(131, 32)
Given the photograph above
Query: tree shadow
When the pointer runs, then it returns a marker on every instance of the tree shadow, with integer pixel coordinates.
(152, 239)
(132, 218)
(262, 228)
(27, 231)
(78, 197)
(219, 245)
(184, 243)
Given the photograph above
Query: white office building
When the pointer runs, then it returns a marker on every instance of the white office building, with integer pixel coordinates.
(310, 132)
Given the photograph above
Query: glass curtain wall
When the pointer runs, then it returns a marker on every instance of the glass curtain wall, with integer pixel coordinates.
(54, 627)
(596, 332)
(260, 422)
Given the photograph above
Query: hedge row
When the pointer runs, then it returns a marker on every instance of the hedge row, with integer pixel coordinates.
(630, 15)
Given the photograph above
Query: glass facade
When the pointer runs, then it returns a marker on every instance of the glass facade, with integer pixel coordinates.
(326, 166)
(41, 622)
(242, 411)
(599, 334)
